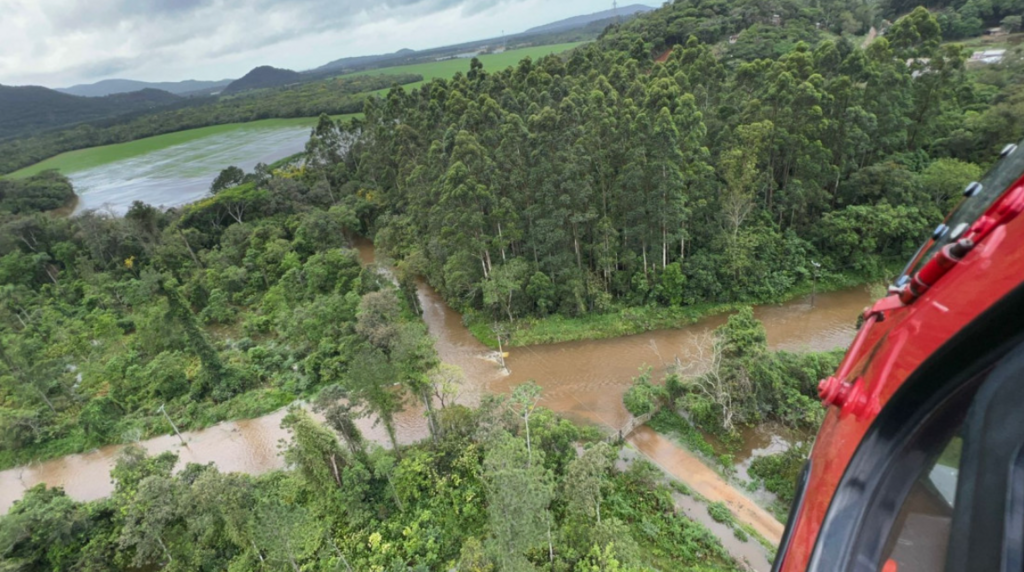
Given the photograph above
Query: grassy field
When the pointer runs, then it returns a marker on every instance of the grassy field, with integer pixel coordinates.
(991, 42)
(448, 68)
(82, 159)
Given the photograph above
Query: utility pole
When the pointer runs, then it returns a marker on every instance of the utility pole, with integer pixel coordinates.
(173, 426)
(615, 10)
(814, 281)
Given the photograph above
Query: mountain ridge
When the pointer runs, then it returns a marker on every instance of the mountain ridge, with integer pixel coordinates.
(583, 20)
(118, 85)
(261, 77)
(28, 108)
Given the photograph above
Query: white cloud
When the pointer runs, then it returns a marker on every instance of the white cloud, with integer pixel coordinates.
(60, 42)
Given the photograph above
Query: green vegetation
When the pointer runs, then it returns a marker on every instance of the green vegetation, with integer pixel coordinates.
(82, 159)
(45, 191)
(229, 307)
(668, 422)
(629, 320)
(964, 18)
(642, 397)
(586, 186)
(473, 499)
(742, 383)
(445, 69)
(720, 513)
(778, 474)
(29, 109)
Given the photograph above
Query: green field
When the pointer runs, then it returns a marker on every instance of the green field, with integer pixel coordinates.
(448, 68)
(82, 159)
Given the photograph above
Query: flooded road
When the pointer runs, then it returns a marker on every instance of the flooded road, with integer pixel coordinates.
(677, 461)
(584, 381)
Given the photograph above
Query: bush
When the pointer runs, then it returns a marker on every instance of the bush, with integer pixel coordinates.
(720, 513)
(779, 472)
(642, 397)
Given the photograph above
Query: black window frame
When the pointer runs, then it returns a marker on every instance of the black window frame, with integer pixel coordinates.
(989, 521)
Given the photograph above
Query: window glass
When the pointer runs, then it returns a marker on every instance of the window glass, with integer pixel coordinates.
(1005, 172)
(920, 536)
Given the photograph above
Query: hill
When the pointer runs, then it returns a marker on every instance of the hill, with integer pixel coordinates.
(114, 86)
(363, 61)
(580, 21)
(263, 76)
(28, 109)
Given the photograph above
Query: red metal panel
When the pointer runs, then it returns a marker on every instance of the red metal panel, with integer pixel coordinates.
(894, 347)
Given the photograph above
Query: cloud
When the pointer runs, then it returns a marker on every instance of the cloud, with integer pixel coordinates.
(59, 42)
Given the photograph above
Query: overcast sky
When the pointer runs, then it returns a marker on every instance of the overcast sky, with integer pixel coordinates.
(57, 43)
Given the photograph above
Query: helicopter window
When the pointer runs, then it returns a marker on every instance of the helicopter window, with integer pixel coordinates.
(920, 536)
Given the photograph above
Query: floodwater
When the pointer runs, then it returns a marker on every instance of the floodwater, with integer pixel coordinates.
(583, 381)
(182, 173)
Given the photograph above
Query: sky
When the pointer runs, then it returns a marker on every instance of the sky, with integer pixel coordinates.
(58, 43)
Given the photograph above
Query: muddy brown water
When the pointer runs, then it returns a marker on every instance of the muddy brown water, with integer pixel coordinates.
(583, 381)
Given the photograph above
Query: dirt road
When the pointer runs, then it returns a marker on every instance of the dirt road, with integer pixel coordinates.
(686, 467)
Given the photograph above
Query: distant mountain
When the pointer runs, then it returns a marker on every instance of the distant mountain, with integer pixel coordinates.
(112, 86)
(27, 109)
(263, 76)
(580, 21)
(363, 61)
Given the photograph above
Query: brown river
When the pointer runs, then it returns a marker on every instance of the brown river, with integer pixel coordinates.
(584, 381)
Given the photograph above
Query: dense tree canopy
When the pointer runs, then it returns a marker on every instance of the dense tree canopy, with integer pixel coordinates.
(575, 185)
(473, 500)
(46, 191)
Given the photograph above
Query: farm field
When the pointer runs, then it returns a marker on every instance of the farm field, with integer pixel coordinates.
(448, 68)
(174, 169)
(82, 159)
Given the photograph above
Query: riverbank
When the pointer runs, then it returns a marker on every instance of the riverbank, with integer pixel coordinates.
(193, 418)
(636, 320)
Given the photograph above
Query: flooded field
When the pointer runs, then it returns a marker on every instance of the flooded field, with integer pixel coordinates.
(182, 173)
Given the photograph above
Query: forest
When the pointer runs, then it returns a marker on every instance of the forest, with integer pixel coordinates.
(480, 497)
(334, 96)
(28, 109)
(599, 183)
(606, 180)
